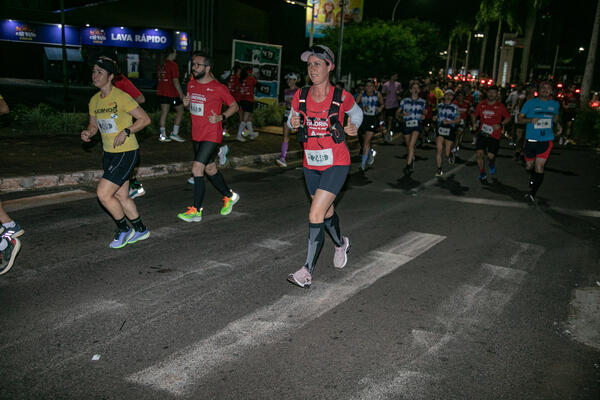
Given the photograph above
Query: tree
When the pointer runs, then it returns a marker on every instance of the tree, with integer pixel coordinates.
(461, 30)
(385, 47)
(588, 75)
(530, 21)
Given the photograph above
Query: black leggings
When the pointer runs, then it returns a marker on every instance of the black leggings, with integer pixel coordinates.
(205, 152)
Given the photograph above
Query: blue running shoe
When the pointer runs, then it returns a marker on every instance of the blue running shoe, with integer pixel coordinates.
(13, 232)
(482, 176)
(492, 169)
(121, 239)
(137, 236)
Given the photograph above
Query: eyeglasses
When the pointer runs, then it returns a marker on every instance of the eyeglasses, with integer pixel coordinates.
(198, 65)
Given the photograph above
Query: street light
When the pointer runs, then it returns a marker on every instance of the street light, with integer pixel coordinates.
(312, 17)
(581, 49)
(479, 35)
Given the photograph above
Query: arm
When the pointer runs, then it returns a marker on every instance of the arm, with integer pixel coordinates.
(91, 130)
(3, 107)
(178, 87)
(355, 117)
(380, 98)
(142, 120)
(140, 99)
(232, 109)
(358, 98)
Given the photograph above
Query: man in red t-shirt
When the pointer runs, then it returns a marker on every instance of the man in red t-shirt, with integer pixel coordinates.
(169, 94)
(494, 116)
(205, 97)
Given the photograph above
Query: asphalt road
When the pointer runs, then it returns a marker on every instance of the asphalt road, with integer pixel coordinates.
(453, 290)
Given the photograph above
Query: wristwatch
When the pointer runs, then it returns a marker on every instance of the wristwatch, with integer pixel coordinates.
(127, 131)
(224, 117)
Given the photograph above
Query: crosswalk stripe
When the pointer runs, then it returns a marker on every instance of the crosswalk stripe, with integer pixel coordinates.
(179, 372)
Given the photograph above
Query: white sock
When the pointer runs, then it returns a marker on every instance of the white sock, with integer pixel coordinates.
(3, 244)
(241, 128)
(163, 131)
(249, 125)
(10, 224)
(175, 129)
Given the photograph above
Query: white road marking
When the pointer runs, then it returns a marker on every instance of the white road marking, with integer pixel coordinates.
(584, 316)
(471, 305)
(273, 244)
(179, 372)
(46, 199)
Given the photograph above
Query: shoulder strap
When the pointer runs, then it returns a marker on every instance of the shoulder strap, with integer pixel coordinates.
(303, 96)
(336, 102)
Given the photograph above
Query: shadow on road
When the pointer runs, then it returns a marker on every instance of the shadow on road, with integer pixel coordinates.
(452, 185)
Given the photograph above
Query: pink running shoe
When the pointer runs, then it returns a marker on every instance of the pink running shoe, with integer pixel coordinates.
(340, 258)
(301, 278)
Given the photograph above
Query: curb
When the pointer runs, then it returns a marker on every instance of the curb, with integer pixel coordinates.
(22, 183)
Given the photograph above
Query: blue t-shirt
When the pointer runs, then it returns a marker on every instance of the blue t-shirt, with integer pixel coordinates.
(545, 111)
(447, 111)
(369, 104)
(414, 107)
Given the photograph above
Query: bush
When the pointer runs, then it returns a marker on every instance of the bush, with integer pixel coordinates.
(267, 115)
(586, 129)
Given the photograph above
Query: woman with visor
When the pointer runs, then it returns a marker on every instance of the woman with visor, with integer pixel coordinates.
(326, 156)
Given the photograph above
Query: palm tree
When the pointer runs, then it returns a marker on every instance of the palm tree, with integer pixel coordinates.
(588, 75)
(461, 30)
(534, 7)
(499, 11)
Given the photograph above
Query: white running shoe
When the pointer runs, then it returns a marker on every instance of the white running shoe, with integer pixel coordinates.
(176, 138)
(223, 151)
(191, 180)
(163, 138)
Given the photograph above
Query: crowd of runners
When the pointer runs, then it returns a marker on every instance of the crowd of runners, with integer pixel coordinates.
(443, 113)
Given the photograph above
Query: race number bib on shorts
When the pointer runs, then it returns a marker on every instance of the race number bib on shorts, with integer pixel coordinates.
(197, 109)
(412, 123)
(443, 131)
(319, 158)
(545, 123)
(487, 129)
(108, 125)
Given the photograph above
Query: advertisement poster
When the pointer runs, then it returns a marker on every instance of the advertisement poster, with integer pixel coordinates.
(327, 14)
(25, 32)
(265, 60)
(133, 64)
(156, 39)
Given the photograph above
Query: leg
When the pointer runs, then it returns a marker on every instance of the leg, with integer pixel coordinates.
(411, 147)
(127, 204)
(178, 115)
(448, 144)
(106, 191)
(480, 160)
(164, 110)
(4, 218)
(366, 148)
(439, 143)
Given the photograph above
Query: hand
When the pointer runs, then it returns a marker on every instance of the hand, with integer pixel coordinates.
(186, 101)
(498, 126)
(422, 117)
(119, 139)
(86, 136)
(295, 121)
(407, 113)
(214, 118)
(534, 120)
(351, 130)
(559, 129)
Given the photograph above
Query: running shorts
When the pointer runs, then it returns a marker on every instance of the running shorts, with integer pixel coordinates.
(451, 136)
(409, 130)
(390, 112)
(487, 143)
(331, 180)
(118, 166)
(246, 106)
(370, 123)
(535, 150)
(172, 101)
(205, 152)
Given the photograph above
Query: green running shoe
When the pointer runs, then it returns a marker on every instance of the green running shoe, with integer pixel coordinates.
(228, 203)
(191, 215)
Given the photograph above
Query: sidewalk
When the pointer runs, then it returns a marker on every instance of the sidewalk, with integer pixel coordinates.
(28, 163)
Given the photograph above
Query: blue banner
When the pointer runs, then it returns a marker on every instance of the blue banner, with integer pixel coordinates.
(181, 41)
(26, 32)
(156, 39)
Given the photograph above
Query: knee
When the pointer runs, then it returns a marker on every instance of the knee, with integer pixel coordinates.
(103, 195)
(197, 169)
(211, 169)
(316, 216)
(121, 196)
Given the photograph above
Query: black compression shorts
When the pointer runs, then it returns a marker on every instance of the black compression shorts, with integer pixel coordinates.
(205, 152)
(118, 166)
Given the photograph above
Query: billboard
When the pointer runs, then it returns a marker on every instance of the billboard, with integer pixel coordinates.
(26, 32)
(265, 60)
(327, 14)
(155, 39)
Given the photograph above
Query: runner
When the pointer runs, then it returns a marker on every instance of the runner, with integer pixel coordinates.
(413, 111)
(246, 95)
(448, 116)
(390, 91)
(288, 95)
(136, 189)
(111, 111)
(541, 116)
(319, 111)
(169, 94)
(494, 116)
(371, 102)
(570, 105)
(205, 97)
(463, 108)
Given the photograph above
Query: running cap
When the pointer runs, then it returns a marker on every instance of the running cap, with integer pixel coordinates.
(323, 52)
(107, 64)
(449, 91)
(291, 75)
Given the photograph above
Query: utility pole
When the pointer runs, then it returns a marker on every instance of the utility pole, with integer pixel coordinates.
(64, 50)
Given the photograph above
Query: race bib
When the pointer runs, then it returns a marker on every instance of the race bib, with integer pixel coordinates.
(319, 158)
(487, 129)
(197, 109)
(412, 123)
(108, 125)
(443, 131)
(545, 123)
(370, 110)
